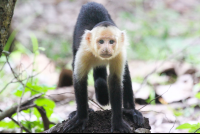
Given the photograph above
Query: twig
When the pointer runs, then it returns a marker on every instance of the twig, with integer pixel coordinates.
(12, 110)
(88, 98)
(197, 130)
(41, 70)
(14, 78)
(172, 126)
(159, 113)
(18, 123)
(19, 106)
(95, 103)
(155, 98)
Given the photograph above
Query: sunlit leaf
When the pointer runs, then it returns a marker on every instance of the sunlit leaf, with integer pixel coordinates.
(194, 127)
(8, 124)
(34, 43)
(10, 40)
(197, 95)
(42, 48)
(36, 113)
(184, 126)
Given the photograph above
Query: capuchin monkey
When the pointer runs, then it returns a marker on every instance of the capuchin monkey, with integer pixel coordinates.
(98, 42)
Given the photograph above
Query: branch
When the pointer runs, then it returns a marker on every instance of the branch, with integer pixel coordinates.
(18, 124)
(24, 105)
(155, 98)
(172, 126)
(197, 130)
(45, 119)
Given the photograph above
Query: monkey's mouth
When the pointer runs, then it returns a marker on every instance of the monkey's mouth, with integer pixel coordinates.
(106, 55)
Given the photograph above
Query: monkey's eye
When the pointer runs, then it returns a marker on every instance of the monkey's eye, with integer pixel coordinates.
(101, 41)
(112, 41)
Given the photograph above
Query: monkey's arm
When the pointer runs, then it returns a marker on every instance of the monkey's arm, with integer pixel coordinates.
(128, 99)
(115, 89)
(80, 86)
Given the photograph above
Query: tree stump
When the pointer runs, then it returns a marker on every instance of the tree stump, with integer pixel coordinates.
(100, 122)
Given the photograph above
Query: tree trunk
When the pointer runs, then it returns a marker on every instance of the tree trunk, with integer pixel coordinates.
(6, 13)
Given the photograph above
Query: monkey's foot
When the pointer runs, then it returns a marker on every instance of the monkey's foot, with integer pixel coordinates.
(72, 114)
(73, 123)
(135, 116)
(122, 126)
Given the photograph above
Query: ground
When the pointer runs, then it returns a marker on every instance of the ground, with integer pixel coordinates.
(99, 122)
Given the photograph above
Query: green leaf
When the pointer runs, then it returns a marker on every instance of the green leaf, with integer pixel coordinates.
(18, 92)
(184, 126)
(177, 113)
(37, 125)
(197, 95)
(10, 40)
(194, 127)
(36, 113)
(8, 124)
(35, 89)
(34, 43)
(27, 111)
(42, 48)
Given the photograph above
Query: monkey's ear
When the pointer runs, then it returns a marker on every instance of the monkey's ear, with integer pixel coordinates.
(124, 38)
(123, 34)
(88, 36)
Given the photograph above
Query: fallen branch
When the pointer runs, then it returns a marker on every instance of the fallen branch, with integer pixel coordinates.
(24, 105)
(197, 130)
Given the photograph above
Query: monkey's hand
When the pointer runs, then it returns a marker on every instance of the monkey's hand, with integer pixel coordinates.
(121, 126)
(135, 116)
(73, 123)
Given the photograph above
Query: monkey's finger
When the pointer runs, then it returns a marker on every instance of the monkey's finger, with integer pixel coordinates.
(69, 125)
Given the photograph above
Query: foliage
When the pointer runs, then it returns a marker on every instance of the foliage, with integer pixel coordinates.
(192, 127)
(151, 38)
(30, 86)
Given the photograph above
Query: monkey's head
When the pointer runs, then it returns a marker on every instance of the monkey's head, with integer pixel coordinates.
(105, 42)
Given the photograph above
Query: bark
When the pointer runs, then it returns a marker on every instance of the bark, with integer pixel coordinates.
(6, 13)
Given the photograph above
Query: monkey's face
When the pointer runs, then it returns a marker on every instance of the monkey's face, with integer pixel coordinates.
(105, 42)
(106, 46)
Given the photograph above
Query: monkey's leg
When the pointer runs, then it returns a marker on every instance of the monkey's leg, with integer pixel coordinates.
(128, 99)
(81, 95)
(101, 89)
(115, 88)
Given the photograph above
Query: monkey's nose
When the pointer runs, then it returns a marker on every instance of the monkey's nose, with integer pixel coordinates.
(106, 53)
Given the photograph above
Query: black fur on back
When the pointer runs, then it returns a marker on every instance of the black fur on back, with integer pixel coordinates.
(91, 15)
